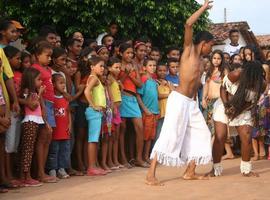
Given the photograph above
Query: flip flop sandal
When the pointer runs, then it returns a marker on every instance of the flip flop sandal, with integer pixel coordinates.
(132, 162)
(143, 165)
(115, 168)
(128, 166)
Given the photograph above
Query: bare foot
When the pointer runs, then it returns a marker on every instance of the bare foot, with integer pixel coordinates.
(153, 182)
(251, 174)
(195, 177)
(227, 157)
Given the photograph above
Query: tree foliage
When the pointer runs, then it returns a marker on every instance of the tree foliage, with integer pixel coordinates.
(160, 20)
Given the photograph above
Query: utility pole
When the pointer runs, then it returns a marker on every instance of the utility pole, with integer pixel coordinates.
(225, 15)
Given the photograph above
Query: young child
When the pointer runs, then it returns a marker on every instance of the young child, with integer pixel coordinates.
(25, 60)
(140, 54)
(103, 52)
(114, 66)
(108, 128)
(59, 61)
(13, 133)
(148, 100)
(43, 52)
(155, 54)
(31, 89)
(80, 79)
(173, 52)
(95, 95)
(164, 89)
(59, 152)
(130, 78)
(173, 66)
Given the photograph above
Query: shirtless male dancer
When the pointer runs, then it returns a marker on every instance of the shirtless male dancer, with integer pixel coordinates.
(185, 137)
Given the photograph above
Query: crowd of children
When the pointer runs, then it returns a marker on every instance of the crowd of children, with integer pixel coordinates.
(88, 109)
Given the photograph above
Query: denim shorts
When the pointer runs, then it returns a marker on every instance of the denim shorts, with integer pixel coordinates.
(94, 119)
(50, 113)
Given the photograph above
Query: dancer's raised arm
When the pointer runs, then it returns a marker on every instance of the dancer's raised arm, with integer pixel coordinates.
(191, 20)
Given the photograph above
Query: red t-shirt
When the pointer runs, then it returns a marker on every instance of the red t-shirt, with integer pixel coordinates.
(17, 81)
(61, 113)
(46, 77)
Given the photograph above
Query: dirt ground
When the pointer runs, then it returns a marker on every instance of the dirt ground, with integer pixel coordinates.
(129, 185)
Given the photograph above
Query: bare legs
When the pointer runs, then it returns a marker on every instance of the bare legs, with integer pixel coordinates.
(43, 142)
(219, 141)
(80, 147)
(138, 126)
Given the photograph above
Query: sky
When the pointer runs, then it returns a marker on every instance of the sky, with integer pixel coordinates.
(255, 12)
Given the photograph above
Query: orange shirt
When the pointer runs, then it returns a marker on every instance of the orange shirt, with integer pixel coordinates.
(127, 82)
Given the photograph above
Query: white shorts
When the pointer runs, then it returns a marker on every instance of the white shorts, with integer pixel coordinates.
(184, 135)
(219, 112)
(13, 134)
(219, 115)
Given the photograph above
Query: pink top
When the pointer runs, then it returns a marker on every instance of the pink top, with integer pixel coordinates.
(37, 111)
(17, 81)
(46, 77)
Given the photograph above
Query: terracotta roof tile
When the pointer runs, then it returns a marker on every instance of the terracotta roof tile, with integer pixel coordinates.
(263, 40)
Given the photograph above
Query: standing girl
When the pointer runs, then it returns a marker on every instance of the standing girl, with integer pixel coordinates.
(43, 52)
(25, 60)
(31, 89)
(107, 130)
(95, 95)
(129, 108)
(80, 79)
(114, 66)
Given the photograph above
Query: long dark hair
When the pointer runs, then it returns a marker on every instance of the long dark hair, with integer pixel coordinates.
(28, 80)
(83, 63)
(221, 68)
(251, 79)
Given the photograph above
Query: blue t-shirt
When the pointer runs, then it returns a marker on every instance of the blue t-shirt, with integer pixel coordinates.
(149, 94)
(173, 79)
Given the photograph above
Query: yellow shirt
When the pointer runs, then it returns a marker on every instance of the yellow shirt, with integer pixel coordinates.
(163, 89)
(98, 95)
(6, 72)
(116, 93)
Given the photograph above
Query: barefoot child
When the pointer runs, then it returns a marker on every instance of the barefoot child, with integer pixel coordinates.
(43, 52)
(148, 100)
(95, 95)
(185, 137)
(31, 90)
